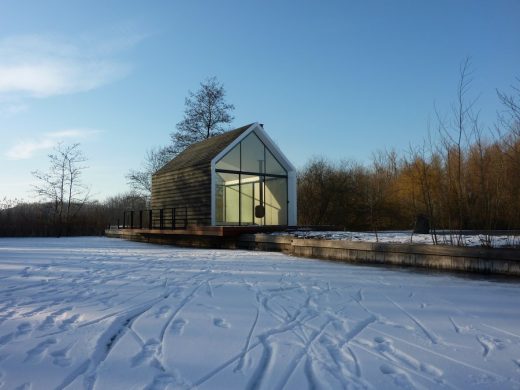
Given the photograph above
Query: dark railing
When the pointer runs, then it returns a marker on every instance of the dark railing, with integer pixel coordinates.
(171, 218)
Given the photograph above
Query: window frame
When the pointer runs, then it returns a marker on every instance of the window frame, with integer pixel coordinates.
(262, 175)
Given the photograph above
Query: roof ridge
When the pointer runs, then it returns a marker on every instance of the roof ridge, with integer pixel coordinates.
(204, 151)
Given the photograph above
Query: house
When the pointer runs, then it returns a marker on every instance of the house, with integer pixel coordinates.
(237, 178)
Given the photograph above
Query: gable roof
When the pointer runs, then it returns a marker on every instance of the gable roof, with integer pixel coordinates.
(204, 151)
(266, 140)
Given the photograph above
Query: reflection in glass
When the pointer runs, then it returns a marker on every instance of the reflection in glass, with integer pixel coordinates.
(252, 154)
(272, 165)
(250, 199)
(227, 199)
(230, 161)
(275, 201)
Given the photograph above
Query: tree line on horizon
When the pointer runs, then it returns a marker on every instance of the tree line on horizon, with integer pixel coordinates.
(464, 176)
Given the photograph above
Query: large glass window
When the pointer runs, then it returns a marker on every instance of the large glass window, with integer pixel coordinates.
(248, 198)
(227, 196)
(275, 201)
(253, 153)
(231, 161)
(251, 186)
(272, 165)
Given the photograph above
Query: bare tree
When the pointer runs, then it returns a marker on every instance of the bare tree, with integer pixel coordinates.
(455, 138)
(140, 181)
(508, 127)
(206, 114)
(61, 184)
(7, 203)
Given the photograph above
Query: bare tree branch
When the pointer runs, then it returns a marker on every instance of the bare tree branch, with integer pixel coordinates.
(206, 114)
(61, 184)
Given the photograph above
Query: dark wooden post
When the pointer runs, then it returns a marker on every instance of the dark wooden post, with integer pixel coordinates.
(140, 219)
(161, 219)
(124, 218)
(173, 218)
(185, 217)
(132, 219)
(118, 223)
(150, 220)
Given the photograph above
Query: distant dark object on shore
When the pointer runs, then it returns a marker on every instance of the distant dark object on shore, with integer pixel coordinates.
(422, 224)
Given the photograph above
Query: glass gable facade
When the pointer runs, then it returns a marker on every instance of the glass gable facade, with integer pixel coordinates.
(251, 186)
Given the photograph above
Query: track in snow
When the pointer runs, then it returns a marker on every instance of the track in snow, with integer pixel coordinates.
(100, 313)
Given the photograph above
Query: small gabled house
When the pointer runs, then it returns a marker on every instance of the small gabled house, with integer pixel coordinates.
(237, 178)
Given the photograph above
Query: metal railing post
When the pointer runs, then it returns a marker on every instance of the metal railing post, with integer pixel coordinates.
(161, 219)
(150, 220)
(140, 219)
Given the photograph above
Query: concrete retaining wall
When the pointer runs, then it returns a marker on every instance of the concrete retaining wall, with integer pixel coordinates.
(466, 259)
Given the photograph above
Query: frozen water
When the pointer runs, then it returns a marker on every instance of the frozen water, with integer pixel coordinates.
(110, 314)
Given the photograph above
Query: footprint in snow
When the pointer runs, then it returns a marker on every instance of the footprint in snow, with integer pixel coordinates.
(25, 272)
(386, 347)
(221, 323)
(381, 340)
(365, 343)
(401, 379)
(47, 323)
(431, 370)
(35, 311)
(150, 349)
(69, 322)
(489, 344)
(23, 329)
(162, 312)
(36, 354)
(6, 339)
(178, 326)
(61, 357)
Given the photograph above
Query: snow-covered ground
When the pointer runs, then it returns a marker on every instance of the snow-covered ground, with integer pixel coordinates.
(406, 237)
(101, 313)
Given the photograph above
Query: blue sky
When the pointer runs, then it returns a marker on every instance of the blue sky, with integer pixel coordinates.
(340, 79)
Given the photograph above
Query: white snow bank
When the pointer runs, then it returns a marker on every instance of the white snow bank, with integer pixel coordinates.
(406, 237)
(110, 314)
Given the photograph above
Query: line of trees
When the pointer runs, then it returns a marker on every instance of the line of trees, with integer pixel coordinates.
(65, 207)
(464, 176)
(22, 219)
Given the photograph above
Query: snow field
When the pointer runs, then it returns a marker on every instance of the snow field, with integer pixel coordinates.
(99, 313)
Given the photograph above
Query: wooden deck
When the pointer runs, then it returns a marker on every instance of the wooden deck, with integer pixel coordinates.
(208, 231)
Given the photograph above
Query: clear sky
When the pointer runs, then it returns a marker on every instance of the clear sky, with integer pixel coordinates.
(340, 79)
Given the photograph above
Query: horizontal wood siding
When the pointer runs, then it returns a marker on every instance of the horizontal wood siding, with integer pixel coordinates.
(187, 187)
